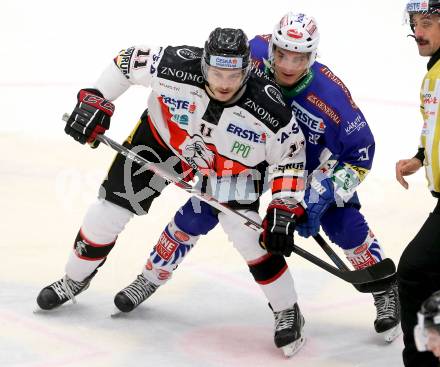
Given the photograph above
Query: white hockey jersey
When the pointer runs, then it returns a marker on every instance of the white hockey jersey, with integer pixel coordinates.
(256, 132)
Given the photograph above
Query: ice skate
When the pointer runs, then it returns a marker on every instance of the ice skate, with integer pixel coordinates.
(134, 294)
(61, 291)
(288, 327)
(387, 322)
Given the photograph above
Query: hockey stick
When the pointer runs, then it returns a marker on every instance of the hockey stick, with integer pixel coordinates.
(377, 285)
(367, 277)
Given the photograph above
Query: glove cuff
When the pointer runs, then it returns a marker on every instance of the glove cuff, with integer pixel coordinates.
(287, 205)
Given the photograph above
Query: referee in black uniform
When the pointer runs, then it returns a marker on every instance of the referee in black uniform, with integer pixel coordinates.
(419, 267)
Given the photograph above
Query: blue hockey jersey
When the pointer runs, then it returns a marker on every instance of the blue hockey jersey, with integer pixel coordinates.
(333, 125)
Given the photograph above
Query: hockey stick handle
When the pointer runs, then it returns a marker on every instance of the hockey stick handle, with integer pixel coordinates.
(334, 257)
(171, 177)
(355, 276)
(341, 264)
(331, 254)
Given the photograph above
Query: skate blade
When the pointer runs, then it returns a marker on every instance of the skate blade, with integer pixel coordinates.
(390, 335)
(118, 313)
(291, 349)
(37, 310)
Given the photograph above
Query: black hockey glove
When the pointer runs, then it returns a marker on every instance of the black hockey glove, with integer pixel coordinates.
(90, 117)
(279, 225)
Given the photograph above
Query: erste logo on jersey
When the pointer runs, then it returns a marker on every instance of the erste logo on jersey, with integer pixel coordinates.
(178, 108)
(314, 126)
(247, 134)
(313, 122)
(178, 104)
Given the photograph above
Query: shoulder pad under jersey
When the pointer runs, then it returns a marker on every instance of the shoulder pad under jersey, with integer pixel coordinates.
(264, 100)
(182, 64)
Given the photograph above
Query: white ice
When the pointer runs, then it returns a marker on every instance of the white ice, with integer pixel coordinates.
(211, 314)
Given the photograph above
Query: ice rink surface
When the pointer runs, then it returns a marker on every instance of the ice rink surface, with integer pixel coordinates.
(211, 313)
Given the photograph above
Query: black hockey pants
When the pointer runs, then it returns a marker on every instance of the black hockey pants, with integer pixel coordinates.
(419, 276)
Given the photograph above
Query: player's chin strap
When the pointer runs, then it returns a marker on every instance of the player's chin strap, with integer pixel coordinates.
(366, 280)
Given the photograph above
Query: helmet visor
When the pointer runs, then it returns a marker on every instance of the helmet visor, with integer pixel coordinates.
(225, 74)
(225, 78)
(290, 59)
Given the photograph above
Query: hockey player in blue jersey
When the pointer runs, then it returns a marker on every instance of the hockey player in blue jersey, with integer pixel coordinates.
(339, 148)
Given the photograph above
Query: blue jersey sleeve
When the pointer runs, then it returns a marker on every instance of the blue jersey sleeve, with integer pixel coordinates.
(347, 134)
(351, 139)
(259, 50)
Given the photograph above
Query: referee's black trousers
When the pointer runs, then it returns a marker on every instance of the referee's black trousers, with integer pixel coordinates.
(419, 276)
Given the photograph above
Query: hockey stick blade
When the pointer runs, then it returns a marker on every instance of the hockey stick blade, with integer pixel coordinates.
(367, 277)
(371, 279)
(386, 272)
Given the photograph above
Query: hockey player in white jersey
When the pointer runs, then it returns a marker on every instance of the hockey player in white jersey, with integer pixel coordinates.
(333, 125)
(209, 114)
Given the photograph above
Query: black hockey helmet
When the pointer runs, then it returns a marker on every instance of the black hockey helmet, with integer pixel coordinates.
(227, 48)
(421, 7)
